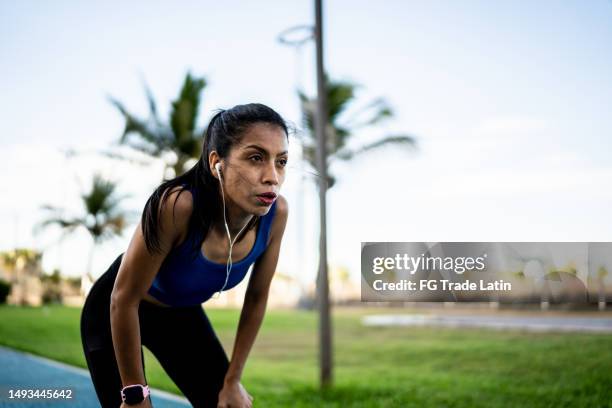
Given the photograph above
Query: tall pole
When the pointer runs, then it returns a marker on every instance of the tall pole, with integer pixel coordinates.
(325, 341)
(288, 37)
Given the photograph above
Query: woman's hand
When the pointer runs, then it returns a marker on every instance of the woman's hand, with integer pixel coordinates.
(233, 395)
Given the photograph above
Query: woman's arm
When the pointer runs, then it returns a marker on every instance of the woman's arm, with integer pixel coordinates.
(256, 297)
(135, 276)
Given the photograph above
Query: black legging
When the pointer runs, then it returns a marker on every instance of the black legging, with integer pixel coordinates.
(181, 338)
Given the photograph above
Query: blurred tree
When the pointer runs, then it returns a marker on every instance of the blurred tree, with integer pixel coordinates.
(54, 278)
(52, 289)
(5, 289)
(103, 219)
(9, 259)
(9, 262)
(179, 136)
(20, 258)
(340, 99)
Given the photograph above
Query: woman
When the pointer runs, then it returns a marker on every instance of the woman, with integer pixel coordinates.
(198, 235)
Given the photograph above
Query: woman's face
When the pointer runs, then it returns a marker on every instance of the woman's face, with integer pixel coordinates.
(256, 166)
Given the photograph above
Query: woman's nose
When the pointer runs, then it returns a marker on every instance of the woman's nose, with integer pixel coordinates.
(270, 174)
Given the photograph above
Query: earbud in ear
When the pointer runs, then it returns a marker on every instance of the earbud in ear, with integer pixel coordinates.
(218, 167)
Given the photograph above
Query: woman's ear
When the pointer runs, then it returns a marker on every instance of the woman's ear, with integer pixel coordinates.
(213, 160)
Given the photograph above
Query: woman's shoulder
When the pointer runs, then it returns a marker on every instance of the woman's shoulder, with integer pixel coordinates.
(180, 205)
(282, 207)
(181, 199)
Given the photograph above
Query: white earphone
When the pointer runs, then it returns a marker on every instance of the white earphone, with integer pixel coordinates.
(229, 258)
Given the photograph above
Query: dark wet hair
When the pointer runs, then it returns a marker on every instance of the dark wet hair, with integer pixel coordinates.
(224, 130)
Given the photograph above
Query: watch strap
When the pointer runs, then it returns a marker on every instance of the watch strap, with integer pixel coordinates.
(144, 388)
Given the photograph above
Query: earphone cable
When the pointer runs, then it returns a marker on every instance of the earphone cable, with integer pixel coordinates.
(229, 263)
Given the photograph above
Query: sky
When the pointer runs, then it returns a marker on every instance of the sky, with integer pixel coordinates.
(508, 102)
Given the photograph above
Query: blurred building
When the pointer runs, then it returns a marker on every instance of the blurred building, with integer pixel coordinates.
(285, 292)
(30, 286)
(342, 289)
(21, 267)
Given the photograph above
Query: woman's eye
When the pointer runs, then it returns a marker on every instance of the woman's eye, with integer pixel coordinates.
(283, 162)
(255, 158)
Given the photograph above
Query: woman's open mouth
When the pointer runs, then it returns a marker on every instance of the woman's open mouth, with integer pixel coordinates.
(266, 198)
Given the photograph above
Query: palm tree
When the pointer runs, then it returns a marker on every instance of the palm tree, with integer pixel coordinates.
(155, 138)
(341, 99)
(103, 219)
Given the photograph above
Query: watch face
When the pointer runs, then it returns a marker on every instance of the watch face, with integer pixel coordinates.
(133, 394)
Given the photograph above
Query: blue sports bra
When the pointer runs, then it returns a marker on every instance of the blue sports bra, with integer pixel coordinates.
(185, 280)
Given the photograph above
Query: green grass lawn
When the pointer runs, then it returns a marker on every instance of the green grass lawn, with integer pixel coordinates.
(374, 367)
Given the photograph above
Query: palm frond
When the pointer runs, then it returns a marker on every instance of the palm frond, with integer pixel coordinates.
(154, 137)
(348, 154)
(308, 107)
(340, 94)
(185, 108)
(119, 156)
(157, 137)
(67, 225)
(151, 102)
(100, 199)
(378, 110)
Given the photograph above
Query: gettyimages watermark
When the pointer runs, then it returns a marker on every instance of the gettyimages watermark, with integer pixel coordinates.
(509, 272)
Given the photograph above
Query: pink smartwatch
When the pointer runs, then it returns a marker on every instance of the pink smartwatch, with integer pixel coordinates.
(134, 394)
